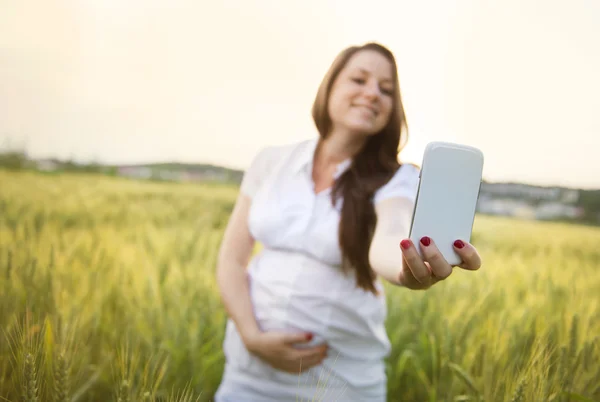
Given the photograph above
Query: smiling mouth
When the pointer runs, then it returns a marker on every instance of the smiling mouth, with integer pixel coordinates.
(368, 108)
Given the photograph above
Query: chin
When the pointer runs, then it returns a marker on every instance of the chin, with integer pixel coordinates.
(363, 127)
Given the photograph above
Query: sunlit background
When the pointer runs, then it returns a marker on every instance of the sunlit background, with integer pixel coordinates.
(108, 285)
(214, 81)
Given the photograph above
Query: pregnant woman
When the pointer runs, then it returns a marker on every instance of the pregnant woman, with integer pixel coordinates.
(307, 313)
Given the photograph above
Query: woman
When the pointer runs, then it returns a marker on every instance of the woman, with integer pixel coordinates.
(307, 315)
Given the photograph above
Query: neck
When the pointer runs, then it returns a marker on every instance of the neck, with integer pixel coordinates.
(338, 147)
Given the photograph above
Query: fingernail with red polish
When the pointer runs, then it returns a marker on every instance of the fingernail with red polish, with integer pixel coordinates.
(459, 244)
(405, 244)
(309, 337)
(426, 241)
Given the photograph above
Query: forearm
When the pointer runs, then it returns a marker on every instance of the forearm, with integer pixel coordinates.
(232, 280)
(385, 255)
(386, 260)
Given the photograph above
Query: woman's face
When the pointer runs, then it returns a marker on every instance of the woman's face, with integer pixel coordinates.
(361, 97)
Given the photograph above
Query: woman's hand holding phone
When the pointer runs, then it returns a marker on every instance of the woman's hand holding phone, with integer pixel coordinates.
(444, 211)
(423, 272)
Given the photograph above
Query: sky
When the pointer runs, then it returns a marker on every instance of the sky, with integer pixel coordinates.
(215, 81)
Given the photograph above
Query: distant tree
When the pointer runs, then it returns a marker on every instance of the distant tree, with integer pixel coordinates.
(14, 160)
(589, 200)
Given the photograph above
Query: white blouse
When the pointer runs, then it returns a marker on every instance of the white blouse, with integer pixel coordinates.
(296, 285)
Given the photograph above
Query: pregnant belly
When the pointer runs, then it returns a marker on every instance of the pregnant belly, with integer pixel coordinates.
(295, 293)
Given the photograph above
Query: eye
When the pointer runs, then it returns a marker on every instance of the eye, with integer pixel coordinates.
(359, 80)
(387, 91)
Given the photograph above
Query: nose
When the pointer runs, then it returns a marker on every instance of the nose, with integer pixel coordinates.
(371, 89)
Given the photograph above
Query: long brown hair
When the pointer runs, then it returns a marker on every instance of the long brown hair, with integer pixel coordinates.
(371, 168)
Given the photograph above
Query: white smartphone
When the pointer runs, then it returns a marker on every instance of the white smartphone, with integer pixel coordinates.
(446, 203)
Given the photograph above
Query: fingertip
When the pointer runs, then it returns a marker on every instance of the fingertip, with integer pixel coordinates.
(405, 244)
(459, 244)
(426, 240)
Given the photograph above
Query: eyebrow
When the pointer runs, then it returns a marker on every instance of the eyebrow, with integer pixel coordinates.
(390, 80)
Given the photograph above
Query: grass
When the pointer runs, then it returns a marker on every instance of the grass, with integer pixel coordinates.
(108, 293)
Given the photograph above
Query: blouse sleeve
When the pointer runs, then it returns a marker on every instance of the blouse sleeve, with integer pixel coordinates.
(404, 183)
(253, 176)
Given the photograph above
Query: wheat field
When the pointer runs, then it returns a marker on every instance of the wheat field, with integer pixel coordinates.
(108, 293)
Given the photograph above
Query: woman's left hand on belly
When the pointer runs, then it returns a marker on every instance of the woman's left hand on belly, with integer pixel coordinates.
(281, 350)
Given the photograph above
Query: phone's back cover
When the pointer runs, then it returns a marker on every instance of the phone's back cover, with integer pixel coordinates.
(446, 203)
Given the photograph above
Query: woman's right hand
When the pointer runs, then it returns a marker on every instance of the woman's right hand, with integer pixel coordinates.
(278, 350)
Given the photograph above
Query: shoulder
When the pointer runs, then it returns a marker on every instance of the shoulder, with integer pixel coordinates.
(268, 156)
(403, 184)
(266, 160)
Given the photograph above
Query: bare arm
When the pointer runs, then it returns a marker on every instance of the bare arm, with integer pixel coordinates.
(276, 348)
(232, 278)
(393, 225)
